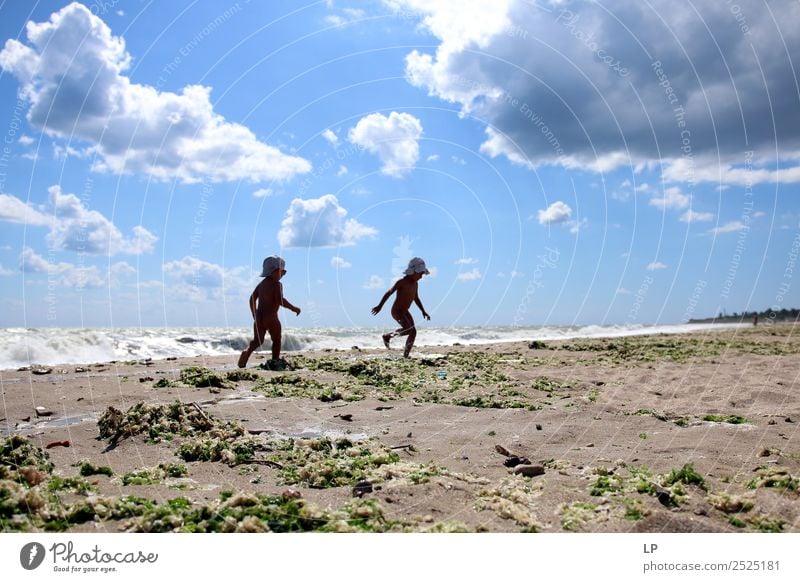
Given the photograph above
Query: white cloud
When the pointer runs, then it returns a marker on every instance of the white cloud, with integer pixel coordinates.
(65, 274)
(515, 274)
(197, 280)
(692, 216)
(340, 263)
(6, 272)
(432, 158)
(320, 222)
(593, 97)
(73, 227)
(394, 139)
(263, 193)
(656, 266)
(726, 173)
(467, 261)
(330, 137)
(557, 212)
(459, 161)
(672, 199)
(72, 75)
(12, 209)
(122, 268)
(375, 282)
(472, 275)
(26, 140)
(575, 226)
(734, 226)
(623, 291)
(759, 214)
(342, 171)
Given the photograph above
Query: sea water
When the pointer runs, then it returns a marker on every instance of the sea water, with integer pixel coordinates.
(54, 346)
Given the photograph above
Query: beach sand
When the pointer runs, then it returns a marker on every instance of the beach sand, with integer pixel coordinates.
(668, 433)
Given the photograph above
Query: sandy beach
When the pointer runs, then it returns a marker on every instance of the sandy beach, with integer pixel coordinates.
(667, 433)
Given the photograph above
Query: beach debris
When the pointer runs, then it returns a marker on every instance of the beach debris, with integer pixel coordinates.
(788, 419)
(772, 421)
(529, 470)
(279, 365)
(408, 436)
(384, 407)
(441, 374)
(146, 379)
(41, 370)
(537, 345)
(57, 444)
(538, 427)
(24, 369)
(171, 358)
(291, 494)
(202, 378)
(80, 369)
(514, 460)
(355, 348)
(345, 417)
(503, 451)
(362, 487)
(42, 411)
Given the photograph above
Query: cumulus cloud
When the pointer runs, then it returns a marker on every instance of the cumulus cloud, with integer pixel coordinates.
(320, 222)
(330, 137)
(394, 139)
(263, 193)
(656, 266)
(375, 282)
(71, 73)
(734, 226)
(64, 274)
(12, 209)
(340, 263)
(197, 280)
(582, 85)
(672, 199)
(472, 275)
(467, 261)
(693, 216)
(73, 227)
(557, 212)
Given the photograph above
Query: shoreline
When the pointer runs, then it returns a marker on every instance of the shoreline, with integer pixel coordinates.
(669, 433)
(295, 336)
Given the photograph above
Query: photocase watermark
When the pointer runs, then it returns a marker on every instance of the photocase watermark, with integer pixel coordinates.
(14, 127)
(697, 292)
(736, 10)
(202, 34)
(744, 230)
(679, 114)
(67, 559)
(548, 260)
(786, 282)
(638, 298)
(569, 20)
(319, 170)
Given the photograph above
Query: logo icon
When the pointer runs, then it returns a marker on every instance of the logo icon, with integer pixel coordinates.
(31, 555)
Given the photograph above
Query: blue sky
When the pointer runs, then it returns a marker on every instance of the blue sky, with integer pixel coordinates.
(553, 162)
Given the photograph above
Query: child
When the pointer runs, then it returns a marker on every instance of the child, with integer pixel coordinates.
(406, 293)
(264, 303)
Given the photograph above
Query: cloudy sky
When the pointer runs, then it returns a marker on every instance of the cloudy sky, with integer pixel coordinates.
(554, 162)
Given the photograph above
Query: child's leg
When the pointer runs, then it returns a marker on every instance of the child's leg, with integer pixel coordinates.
(407, 328)
(274, 329)
(258, 339)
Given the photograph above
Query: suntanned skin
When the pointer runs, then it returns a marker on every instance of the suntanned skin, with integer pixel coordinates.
(406, 289)
(265, 301)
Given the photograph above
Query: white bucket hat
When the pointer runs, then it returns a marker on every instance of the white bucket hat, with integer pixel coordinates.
(417, 265)
(272, 263)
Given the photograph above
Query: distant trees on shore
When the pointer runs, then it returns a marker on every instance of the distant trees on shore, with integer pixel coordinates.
(766, 316)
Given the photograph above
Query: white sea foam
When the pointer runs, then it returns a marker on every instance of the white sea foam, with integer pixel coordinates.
(53, 346)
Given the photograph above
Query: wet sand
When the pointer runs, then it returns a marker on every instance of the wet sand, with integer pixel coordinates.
(668, 433)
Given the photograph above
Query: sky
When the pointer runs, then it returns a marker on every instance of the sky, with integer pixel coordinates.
(554, 162)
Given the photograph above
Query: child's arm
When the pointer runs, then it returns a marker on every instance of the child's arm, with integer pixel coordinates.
(285, 302)
(421, 308)
(252, 302)
(386, 296)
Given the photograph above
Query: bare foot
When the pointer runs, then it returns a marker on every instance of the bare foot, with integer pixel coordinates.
(243, 359)
(386, 338)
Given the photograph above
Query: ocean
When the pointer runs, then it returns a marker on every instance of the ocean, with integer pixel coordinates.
(54, 346)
